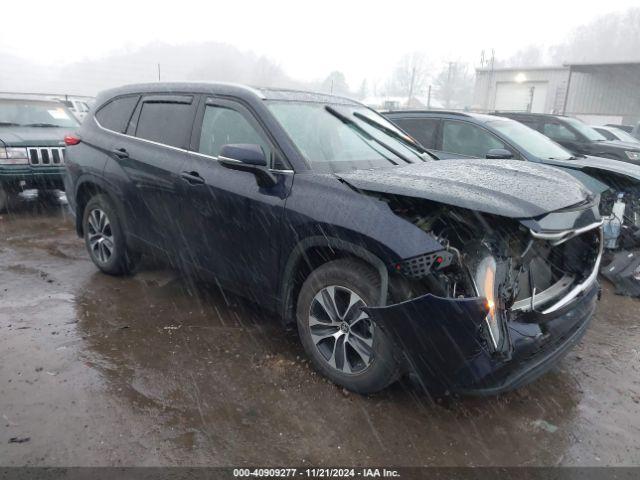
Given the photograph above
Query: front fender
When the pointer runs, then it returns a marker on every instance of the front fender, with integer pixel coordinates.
(297, 256)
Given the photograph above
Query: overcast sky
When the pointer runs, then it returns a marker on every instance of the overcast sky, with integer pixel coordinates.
(307, 38)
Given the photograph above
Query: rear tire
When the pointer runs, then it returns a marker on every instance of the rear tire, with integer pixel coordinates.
(343, 343)
(105, 238)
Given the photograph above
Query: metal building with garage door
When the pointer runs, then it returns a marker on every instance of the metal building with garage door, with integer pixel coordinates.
(597, 93)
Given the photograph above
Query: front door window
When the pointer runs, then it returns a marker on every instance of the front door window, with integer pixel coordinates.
(467, 139)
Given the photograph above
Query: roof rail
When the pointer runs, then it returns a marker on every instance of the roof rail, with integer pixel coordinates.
(419, 110)
(512, 112)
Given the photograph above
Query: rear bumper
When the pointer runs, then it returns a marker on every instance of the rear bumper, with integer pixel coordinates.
(12, 176)
(443, 343)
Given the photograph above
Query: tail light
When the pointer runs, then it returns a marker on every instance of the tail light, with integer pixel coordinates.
(71, 140)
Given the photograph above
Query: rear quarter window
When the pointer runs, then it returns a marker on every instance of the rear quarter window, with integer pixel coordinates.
(421, 129)
(115, 115)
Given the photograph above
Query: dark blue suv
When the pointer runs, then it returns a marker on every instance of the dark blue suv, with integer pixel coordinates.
(473, 275)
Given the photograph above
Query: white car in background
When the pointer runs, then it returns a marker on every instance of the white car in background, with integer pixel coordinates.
(79, 108)
(614, 133)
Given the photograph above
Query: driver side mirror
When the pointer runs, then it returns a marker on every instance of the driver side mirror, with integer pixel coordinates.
(250, 158)
(499, 154)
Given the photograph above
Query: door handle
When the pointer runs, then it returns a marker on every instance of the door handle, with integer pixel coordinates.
(120, 152)
(193, 178)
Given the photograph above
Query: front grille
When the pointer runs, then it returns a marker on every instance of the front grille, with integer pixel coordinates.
(43, 156)
(569, 266)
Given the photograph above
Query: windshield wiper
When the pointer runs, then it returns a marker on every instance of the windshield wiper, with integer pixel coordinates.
(10, 124)
(347, 121)
(389, 131)
(46, 125)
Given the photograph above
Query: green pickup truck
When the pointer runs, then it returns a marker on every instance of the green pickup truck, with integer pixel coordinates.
(32, 145)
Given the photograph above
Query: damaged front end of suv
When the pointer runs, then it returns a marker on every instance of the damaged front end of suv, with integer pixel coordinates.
(502, 300)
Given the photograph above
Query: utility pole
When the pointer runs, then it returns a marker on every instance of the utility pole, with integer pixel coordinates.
(532, 92)
(566, 93)
(332, 80)
(448, 99)
(158, 72)
(493, 59)
(487, 99)
(429, 99)
(413, 79)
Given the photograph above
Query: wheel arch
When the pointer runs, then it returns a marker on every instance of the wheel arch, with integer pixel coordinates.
(87, 188)
(312, 252)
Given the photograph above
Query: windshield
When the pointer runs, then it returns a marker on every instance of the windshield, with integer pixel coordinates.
(585, 129)
(623, 136)
(336, 138)
(530, 140)
(35, 113)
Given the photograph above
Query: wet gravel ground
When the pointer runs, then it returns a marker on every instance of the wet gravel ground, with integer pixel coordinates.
(146, 370)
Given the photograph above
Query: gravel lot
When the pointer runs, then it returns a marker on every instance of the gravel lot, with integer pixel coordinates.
(151, 370)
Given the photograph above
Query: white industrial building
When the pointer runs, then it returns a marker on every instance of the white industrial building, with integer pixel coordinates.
(598, 93)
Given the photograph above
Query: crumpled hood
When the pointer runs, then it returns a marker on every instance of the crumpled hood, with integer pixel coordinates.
(33, 136)
(508, 188)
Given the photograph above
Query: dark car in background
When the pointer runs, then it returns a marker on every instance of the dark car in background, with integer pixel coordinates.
(32, 145)
(476, 135)
(633, 130)
(625, 128)
(473, 275)
(576, 136)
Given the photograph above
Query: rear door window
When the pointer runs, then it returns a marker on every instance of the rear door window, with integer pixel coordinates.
(115, 115)
(424, 130)
(468, 139)
(557, 131)
(167, 121)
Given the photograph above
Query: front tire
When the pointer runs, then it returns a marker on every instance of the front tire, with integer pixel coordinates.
(341, 340)
(105, 239)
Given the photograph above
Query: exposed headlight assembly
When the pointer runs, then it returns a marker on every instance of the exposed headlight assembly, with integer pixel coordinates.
(633, 155)
(486, 285)
(13, 156)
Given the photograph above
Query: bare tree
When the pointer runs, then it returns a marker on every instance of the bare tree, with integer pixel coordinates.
(267, 74)
(454, 85)
(529, 56)
(336, 83)
(410, 77)
(611, 37)
(363, 91)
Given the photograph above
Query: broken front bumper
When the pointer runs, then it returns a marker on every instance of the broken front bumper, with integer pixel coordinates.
(444, 345)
